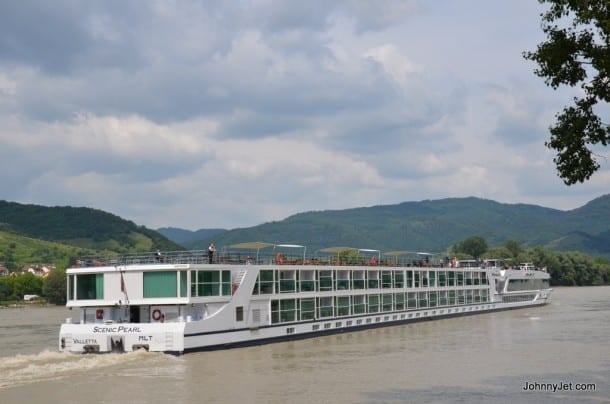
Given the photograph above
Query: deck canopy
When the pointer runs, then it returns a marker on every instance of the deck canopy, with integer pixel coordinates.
(403, 253)
(337, 250)
(397, 254)
(343, 253)
(252, 245)
(292, 246)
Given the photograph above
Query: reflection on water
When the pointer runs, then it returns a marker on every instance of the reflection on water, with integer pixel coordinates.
(481, 358)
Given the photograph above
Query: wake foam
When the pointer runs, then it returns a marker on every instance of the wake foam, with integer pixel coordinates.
(46, 365)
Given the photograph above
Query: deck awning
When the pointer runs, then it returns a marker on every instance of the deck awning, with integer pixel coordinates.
(253, 245)
(337, 250)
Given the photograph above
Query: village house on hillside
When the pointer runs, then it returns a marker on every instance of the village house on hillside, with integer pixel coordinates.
(38, 270)
(3, 270)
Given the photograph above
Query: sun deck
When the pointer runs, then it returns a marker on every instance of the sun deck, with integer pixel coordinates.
(259, 253)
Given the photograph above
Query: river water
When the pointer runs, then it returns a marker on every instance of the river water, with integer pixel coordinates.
(563, 346)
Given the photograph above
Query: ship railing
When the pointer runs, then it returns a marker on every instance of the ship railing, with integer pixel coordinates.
(226, 256)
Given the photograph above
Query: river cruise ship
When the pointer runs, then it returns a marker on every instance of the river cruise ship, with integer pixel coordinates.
(255, 293)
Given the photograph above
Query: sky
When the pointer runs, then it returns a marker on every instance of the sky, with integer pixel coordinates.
(229, 114)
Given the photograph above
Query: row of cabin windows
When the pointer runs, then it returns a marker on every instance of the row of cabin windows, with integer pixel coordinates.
(527, 284)
(157, 284)
(271, 281)
(288, 310)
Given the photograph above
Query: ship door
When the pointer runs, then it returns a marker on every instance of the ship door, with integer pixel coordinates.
(134, 314)
(117, 344)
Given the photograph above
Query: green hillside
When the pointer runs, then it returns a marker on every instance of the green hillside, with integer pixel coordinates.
(38, 234)
(32, 234)
(436, 225)
(16, 250)
(83, 227)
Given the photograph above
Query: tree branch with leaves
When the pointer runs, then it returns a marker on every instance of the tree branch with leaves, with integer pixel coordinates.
(577, 53)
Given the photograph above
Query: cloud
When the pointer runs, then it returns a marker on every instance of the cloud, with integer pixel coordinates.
(219, 114)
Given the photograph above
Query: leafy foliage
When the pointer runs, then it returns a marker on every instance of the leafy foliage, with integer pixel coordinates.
(54, 287)
(474, 246)
(14, 287)
(576, 53)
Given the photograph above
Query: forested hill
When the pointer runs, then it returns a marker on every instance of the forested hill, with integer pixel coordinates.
(83, 227)
(435, 225)
(431, 225)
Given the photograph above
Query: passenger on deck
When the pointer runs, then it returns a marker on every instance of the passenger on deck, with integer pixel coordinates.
(211, 251)
(158, 256)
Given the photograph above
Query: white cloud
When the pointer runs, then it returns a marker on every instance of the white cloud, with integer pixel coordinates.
(209, 114)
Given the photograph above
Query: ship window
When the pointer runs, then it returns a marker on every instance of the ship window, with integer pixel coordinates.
(373, 279)
(433, 298)
(307, 282)
(432, 275)
(287, 281)
(358, 281)
(71, 287)
(239, 313)
(451, 300)
(342, 303)
(460, 297)
(373, 303)
(399, 279)
(451, 278)
(325, 307)
(266, 281)
(358, 304)
(308, 309)
(409, 279)
(399, 299)
(342, 280)
(424, 279)
(325, 280)
(211, 283)
(90, 286)
(183, 284)
(386, 279)
(442, 298)
(411, 300)
(386, 302)
(469, 296)
(423, 299)
(283, 311)
(160, 284)
(442, 278)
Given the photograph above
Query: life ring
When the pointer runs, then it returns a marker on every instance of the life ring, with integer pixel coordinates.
(156, 315)
(99, 314)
